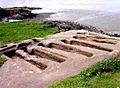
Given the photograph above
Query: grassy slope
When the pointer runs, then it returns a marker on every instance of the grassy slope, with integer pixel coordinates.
(108, 80)
(102, 75)
(18, 31)
(14, 32)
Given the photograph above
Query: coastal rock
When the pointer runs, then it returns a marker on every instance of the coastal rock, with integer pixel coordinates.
(66, 25)
(17, 16)
(17, 13)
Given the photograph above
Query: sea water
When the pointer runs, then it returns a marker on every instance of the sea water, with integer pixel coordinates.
(100, 13)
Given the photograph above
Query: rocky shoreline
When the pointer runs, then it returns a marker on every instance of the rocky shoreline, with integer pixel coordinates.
(41, 17)
(67, 25)
(25, 13)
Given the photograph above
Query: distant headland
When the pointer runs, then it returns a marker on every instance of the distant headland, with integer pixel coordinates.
(17, 13)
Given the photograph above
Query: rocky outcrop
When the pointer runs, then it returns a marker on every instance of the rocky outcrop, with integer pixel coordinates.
(66, 25)
(4, 13)
(18, 13)
(38, 62)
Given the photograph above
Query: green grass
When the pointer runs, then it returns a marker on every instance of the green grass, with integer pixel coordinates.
(17, 31)
(102, 75)
(2, 60)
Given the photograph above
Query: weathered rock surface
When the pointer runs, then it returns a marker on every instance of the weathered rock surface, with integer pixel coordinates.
(38, 62)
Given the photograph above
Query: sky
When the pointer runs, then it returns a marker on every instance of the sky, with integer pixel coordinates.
(59, 5)
(109, 5)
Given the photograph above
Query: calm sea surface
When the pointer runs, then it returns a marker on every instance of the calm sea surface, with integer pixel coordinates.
(101, 13)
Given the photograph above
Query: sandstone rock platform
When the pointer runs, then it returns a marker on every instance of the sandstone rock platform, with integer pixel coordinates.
(37, 62)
